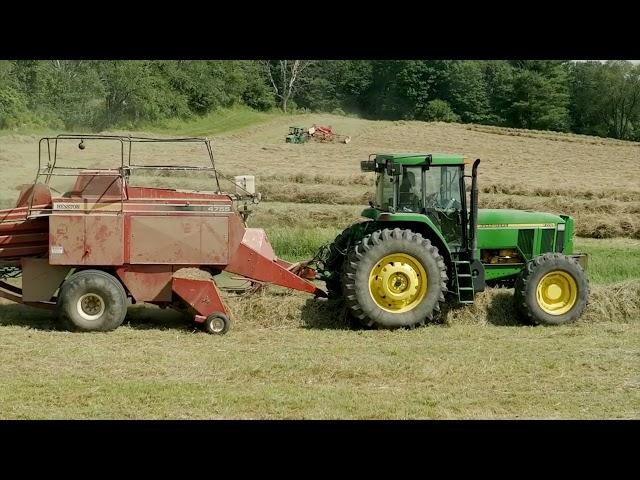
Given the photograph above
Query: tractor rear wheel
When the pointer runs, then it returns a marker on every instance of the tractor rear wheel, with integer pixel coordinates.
(92, 300)
(552, 290)
(335, 262)
(394, 278)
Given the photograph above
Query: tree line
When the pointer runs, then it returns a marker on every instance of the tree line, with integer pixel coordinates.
(596, 98)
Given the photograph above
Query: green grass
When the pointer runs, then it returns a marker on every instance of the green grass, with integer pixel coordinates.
(217, 122)
(611, 260)
(296, 243)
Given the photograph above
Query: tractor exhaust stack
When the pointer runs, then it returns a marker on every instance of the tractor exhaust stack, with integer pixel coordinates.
(473, 221)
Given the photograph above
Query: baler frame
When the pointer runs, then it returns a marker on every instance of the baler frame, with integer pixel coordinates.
(123, 231)
(125, 168)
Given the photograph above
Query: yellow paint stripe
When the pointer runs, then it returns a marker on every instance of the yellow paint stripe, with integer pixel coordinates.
(518, 225)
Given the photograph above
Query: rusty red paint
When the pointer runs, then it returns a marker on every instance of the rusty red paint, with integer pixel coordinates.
(146, 233)
(147, 283)
(249, 263)
(202, 295)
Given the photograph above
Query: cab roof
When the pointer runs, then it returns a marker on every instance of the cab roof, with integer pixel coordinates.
(419, 158)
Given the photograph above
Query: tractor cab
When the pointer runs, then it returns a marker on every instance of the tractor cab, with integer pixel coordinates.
(431, 185)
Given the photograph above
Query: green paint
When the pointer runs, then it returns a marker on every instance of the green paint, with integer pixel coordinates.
(497, 272)
(384, 217)
(499, 217)
(426, 192)
(419, 158)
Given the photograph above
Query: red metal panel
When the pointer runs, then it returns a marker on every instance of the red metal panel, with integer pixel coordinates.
(40, 193)
(147, 283)
(249, 263)
(89, 239)
(236, 232)
(66, 239)
(127, 239)
(41, 280)
(100, 187)
(103, 244)
(181, 240)
(202, 295)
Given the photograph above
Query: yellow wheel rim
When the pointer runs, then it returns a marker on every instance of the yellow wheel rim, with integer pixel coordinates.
(557, 293)
(398, 283)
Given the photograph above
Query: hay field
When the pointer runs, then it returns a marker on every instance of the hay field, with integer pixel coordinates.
(596, 180)
(289, 356)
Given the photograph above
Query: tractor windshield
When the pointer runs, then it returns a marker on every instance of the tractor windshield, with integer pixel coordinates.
(442, 188)
(418, 188)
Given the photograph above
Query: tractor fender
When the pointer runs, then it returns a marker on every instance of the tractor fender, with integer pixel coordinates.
(424, 227)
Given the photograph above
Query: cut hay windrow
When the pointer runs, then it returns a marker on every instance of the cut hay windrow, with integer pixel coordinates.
(274, 308)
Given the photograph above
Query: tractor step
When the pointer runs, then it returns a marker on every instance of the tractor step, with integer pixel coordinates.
(464, 282)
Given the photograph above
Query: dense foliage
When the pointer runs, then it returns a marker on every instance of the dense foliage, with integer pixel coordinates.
(582, 97)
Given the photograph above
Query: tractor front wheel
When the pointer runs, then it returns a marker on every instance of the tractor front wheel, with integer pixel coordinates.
(552, 290)
(394, 278)
(92, 300)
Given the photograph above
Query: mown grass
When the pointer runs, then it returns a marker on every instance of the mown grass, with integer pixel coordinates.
(157, 367)
(290, 356)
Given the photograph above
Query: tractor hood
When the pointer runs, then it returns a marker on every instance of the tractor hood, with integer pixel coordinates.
(491, 217)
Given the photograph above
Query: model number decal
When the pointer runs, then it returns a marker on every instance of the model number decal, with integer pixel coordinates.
(220, 208)
(67, 206)
(517, 225)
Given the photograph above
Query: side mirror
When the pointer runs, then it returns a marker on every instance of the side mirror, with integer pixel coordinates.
(368, 166)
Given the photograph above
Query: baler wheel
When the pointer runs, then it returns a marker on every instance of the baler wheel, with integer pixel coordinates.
(217, 324)
(92, 300)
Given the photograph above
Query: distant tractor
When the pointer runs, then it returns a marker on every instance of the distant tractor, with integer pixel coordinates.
(318, 133)
(421, 242)
(297, 135)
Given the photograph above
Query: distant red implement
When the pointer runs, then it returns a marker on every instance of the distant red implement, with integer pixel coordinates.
(324, 133)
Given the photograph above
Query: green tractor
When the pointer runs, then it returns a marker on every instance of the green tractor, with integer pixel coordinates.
(297, 135)
(422, 242)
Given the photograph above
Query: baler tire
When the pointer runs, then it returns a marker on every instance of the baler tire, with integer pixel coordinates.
(527, 283)
(217, 324)
(101, 290)
(367, 254)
